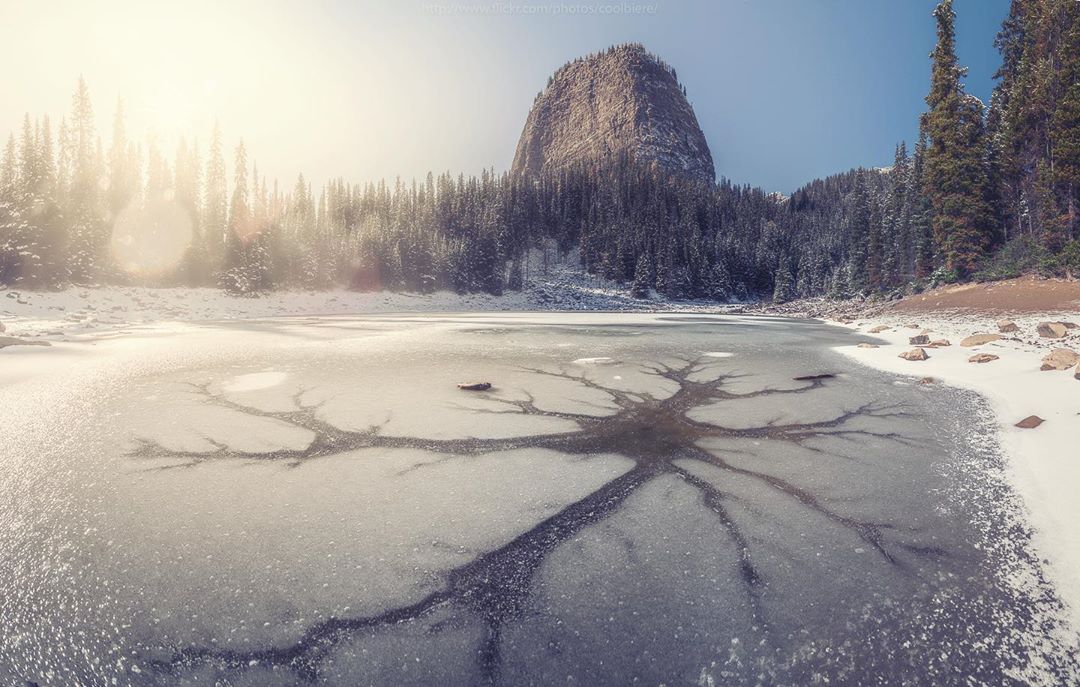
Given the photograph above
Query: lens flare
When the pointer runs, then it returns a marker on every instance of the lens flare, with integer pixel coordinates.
(150, 238)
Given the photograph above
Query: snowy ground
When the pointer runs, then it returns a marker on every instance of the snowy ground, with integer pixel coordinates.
(80, 313)
(1044, 462)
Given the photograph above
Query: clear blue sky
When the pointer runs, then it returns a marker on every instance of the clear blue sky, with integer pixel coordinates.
(785, 90)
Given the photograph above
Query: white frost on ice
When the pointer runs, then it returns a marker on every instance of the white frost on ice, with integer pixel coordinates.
(254, 381)
(595, 361)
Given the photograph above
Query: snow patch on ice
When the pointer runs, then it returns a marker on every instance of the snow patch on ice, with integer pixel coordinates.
(254, 381)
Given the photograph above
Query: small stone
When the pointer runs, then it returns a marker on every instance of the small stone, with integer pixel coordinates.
(920, 340)
(927, 380)
(1030, 422)
(915, 354)
(913, 326)
(2, 328)
(940, 343)
(1051, 330)
(474, 386)
(1070, 325)
(979, 339)
(868, 345)
(982, 358)
(1076, 373)
(1007, 326)
(880, 328)
(1060, 359)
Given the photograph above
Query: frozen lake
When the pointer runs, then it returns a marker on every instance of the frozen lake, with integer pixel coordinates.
(639, 498)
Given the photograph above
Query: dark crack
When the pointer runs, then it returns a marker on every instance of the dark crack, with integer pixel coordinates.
(654, 432)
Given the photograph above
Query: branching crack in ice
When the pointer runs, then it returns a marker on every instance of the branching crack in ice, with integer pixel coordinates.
(655, 433)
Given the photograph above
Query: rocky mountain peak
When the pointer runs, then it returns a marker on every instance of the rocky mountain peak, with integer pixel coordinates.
(622, 101)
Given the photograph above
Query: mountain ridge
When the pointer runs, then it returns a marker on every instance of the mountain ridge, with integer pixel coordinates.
(621, 101)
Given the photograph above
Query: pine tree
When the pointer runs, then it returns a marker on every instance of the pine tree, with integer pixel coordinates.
(642, 283)
(122, 178)
(187, 184)
(784, 287)
(1065, 122)
(236, 276)
(215, 203)
(860, 230)
(918, 211)
(956, 175)
(88, 231)
(1067, 168)
(718, 284)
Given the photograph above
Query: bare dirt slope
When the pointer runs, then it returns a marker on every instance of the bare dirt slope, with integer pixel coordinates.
(1022, 295)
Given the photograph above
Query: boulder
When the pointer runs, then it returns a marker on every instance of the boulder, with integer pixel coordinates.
(940, 343)
(915, 354)
(982, 358)
(880, 328)
(1076, 373)
(920, 340)
(927, 380)
(1030, 422)
(1070, 325)
(1060, 359)
(979, 339)
(1007, 326)
(1051, 330)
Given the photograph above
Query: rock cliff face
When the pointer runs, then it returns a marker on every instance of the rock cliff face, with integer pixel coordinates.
(622, 101)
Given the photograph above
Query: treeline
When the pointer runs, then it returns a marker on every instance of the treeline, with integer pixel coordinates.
(987, 192)
(72, 212)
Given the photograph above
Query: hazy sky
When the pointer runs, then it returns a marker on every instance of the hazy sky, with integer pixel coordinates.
(785, 90)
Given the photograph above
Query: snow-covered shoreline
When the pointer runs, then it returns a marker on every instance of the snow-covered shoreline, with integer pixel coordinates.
(1043, 463)
(78, 313)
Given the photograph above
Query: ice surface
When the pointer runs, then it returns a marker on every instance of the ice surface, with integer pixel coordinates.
(286, 501)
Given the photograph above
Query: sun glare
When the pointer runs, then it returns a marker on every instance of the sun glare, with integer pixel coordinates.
(151, 238)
